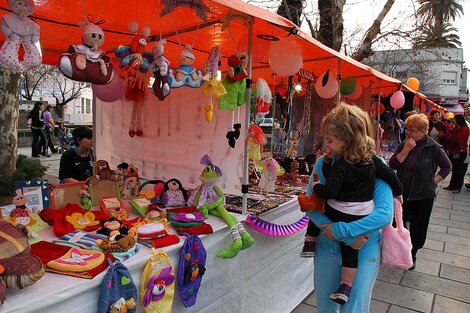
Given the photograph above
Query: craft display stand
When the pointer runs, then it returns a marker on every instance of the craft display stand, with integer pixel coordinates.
(254, 281)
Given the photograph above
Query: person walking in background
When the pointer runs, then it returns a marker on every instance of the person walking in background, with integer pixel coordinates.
(37, 129)
(437, 128)
(456, 144)
(416, 161)
(48, 124)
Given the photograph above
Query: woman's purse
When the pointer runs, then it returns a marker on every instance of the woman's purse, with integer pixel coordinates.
(396, 242)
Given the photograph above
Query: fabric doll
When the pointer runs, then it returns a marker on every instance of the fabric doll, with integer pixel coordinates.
(19, 29)
(173, 194)
(186, 74)
(234, 83)
(86, 62)
(159, 68)
(255, 141)
(211, 86)
(209, 199)
(264, 97)
(268, 176)
(20, 214)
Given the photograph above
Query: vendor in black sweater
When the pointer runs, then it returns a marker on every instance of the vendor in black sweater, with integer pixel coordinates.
(350, 182)
(76, 164)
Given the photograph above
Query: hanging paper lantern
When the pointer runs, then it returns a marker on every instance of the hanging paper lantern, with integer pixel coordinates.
(397, 101)
(326, 85)
(259, 48)
(413, 83)
(285, 58)
(357, 92)
(347, 85)
(111, 92)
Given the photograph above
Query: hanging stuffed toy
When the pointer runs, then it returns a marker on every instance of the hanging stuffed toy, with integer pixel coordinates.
(19, 30)
(234, 83)
(255, 142)
(159, 67)
(212, 87)
(209, 199)
(264, 97)
(186, 74)
(268, 175)
(135, 62)
(86, 62)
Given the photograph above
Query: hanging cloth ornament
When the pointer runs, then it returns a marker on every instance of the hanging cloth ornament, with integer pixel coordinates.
(211, 86)
(233, 135)
(264, 97)
(159, 68)
(234, 82)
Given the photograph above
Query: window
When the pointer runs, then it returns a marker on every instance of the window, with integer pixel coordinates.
(88, 106)
(449, 78)
(82, 100)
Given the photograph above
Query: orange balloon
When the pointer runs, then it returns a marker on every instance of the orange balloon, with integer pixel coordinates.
(413, 83)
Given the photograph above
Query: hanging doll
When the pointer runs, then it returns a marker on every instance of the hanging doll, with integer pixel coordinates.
(159, 67)
(86, 62)
(268, 175)
(209, 199)
(263, 98)
(255, 142)
(173, 194)
(19, 29)
(234, 83)
(135, 62)
(186, 74)
(211, 86)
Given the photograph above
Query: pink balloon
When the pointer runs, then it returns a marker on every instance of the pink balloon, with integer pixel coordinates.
(285, 58)
(356, 93)
(397, 101)
(259, 48)
(110, 92)
(326, 85)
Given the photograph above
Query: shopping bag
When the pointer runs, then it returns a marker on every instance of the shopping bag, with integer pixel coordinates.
(396, 242)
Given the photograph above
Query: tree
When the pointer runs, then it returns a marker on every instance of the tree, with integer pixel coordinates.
(9, 83)
(438, 35)
(33, 79)
(65, 90)
(439, 11)
(292, 10)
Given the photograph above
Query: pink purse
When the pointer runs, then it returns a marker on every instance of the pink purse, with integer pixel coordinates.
(396, 242)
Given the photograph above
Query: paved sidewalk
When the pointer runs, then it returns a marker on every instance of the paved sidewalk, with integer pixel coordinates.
(439, 284)
(441, 281)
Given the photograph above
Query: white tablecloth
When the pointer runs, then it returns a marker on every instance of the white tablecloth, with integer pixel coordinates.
(269, 277)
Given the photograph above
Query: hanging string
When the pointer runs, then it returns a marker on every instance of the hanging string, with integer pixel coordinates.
(197, 32)
(83, 10)
(101, 10)
(158, 10)
(176, 30)
(233, 39)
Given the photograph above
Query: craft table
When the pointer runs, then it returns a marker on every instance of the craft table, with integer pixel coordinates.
(269, 277)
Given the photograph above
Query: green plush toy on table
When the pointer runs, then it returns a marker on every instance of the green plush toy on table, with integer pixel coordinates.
(209, 199)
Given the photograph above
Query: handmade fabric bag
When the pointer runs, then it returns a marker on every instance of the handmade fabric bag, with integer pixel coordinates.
(157, 286)
(396, 242)
(191, 267)
(118, 290)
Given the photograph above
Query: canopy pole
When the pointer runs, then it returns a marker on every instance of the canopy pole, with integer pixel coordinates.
(338, 79)
(247, 122)
(378, 117)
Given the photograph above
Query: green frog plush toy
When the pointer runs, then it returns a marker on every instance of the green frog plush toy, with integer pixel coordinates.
(209, 199)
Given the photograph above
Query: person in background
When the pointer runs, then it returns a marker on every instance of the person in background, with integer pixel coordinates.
(76, 164)
(437, 128)
(416, 161)
(37, 129)
(455, 141)
(48, 124)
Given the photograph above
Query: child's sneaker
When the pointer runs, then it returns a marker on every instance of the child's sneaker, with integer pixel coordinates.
(342, 294)
(308, 250)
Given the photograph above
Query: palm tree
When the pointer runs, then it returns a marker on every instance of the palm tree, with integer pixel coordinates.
(439, 11)
(438, 35)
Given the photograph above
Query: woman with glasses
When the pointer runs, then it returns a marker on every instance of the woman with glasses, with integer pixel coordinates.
(417, 160)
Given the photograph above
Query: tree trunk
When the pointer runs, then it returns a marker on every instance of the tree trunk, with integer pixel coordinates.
(330, 32)
(291, 10)
(9, 101)
(365, 48)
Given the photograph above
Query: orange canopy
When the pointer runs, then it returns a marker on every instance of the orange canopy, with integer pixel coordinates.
(58, 18)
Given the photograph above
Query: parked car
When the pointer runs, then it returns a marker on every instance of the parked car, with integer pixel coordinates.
(268, 122)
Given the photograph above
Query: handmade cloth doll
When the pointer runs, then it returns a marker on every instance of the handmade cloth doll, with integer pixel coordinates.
(20, 214)
(211, 86)
(186, 74)
(209, 199)
(269, 174)
(130, 185)
(264, 97)
(234, 83)
(19, 29)
(159, 67)
(173, 194)
(255, 141)
(234, 134)
(86, 62)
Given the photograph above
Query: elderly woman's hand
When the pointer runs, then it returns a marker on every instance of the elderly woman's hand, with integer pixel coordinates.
(360, 242)
(410, 143)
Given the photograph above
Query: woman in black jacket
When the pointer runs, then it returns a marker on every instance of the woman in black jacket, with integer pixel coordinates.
(37, 128)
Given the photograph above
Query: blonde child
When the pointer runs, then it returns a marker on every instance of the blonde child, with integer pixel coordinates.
(350, 180)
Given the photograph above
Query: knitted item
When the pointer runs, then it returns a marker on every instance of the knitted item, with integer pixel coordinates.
(77, 260)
